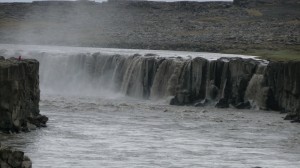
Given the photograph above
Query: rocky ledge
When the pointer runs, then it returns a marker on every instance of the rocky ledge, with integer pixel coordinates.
(10, 158)
(241, 83)
(19, 95)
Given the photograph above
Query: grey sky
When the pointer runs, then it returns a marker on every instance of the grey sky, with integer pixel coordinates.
(105, 0)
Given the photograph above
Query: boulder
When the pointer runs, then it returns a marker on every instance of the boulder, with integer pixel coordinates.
(11, 158)
(38, 121)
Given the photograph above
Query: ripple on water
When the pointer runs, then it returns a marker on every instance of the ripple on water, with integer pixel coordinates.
(95, 132)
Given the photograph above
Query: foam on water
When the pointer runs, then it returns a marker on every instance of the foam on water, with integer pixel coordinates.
(123, 132)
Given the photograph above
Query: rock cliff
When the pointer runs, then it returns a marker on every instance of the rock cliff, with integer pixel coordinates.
(19, 95)
(240, 83)
(283, 80)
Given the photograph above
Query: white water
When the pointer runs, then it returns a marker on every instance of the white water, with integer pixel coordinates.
(99, 132)
(110, 130)
(95, 71)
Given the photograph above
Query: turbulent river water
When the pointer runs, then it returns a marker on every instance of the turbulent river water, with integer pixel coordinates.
(112, 130)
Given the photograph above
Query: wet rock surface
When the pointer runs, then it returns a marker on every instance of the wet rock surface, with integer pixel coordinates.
(283, 80)
(19, 94)
(244, 84)
(11, 158)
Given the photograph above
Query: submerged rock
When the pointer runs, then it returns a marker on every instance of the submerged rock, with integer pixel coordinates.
(202, 103)
(181, 98)
(222, 103)
(243, 105)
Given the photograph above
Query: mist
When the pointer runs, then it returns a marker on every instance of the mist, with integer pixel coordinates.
(56, 24)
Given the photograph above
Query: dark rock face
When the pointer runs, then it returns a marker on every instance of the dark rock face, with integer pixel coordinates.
(240, 83)
(10, 158)
(224, 81)
(19, 93)
(283, 79)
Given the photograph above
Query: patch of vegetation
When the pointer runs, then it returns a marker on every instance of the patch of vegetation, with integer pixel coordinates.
(254, 12)
(293, 22)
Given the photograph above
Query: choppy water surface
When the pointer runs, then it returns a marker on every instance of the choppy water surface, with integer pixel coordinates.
(122, 132)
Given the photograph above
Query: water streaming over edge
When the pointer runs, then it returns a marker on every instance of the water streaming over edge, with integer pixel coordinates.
(110, 130)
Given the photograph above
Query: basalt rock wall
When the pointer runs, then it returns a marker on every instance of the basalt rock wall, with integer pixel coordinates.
(19, 94)
(283, 79)
(240, 83)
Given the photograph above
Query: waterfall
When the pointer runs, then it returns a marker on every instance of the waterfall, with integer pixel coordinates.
(147, 76)
(159, 75)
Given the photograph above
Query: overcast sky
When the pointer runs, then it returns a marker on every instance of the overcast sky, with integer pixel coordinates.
(105, 0)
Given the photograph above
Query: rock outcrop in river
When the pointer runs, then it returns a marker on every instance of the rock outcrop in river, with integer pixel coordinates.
(19, 95)
(10, 158)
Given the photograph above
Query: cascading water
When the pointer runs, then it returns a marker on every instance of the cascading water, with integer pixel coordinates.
(92, 124)
(142, 75)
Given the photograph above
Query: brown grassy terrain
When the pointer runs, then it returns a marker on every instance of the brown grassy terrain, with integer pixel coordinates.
(270, 31)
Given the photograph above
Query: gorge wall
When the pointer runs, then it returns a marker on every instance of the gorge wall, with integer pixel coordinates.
(19, 95)
(223, 82)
